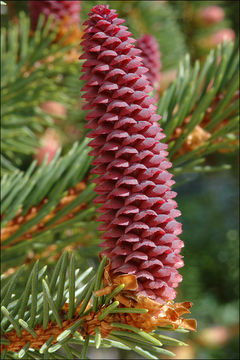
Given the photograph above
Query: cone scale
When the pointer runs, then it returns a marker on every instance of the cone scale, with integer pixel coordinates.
(140, 233)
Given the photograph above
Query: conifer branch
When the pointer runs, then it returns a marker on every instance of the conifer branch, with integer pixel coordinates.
(62, 314)
(200, 110)
(31, 64)
(35, 202)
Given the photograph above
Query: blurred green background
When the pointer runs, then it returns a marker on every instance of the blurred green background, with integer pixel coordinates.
(209, 203)
(209, 206)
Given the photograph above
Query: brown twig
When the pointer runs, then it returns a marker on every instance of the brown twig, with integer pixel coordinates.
(19, 220)
(157, 315)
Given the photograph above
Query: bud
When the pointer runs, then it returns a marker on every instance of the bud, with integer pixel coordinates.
(54, 108)
(224, 34)
(50, 144)
(214, 336)
(217, 38)
(210, 15)
(195, 139)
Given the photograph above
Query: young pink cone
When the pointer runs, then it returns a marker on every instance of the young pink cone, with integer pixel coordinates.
(50, 144)
(151, 58)
(211, 14)
(134, 186)
(60, 10)
(54, 108)
(221, 35)
(217, 38)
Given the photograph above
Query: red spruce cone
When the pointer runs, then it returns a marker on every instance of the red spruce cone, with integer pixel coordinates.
(134, 187)
(151, 58)
(67, 11)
